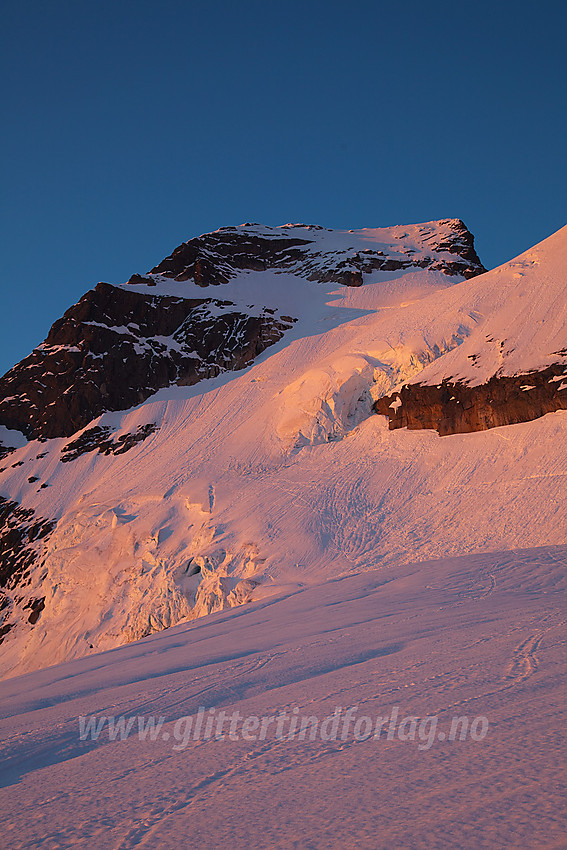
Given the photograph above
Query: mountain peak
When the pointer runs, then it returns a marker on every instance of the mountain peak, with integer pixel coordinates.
(120, 344)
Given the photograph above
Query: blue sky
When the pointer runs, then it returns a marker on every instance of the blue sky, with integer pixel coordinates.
(130, 127)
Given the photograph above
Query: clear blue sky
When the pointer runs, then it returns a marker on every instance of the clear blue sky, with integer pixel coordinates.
(131, 126)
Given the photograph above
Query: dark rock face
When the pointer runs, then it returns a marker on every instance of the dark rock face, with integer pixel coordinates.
(5, 451)
(215, 258)
(20, 528)
(456, 408)
(98, 439)
(115, 348)
(36, 606)
(461, 244)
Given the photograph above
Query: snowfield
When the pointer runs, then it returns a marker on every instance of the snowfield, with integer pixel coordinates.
(522, 320)
(480, 637)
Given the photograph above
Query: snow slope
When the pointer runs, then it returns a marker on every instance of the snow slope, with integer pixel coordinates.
(280, 475)
(480, 637)
(522, 321)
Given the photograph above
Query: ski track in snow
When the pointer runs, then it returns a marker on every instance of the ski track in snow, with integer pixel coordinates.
(525, 661)
(470, 636)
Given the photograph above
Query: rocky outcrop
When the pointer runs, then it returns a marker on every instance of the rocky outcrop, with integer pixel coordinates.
(5, 451)
(214, 258)
(461, 243)
(115, 348)
(99, 439)
(20, 530)
(457, 408)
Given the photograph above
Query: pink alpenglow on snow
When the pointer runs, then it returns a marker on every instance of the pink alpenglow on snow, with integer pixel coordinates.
(283, 549)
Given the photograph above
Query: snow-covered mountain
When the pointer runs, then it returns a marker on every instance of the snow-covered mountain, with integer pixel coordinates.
(206, 434)
(119, 344)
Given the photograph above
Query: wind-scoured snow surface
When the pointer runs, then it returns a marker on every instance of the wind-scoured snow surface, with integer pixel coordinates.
(477, 637)
(280, 474)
